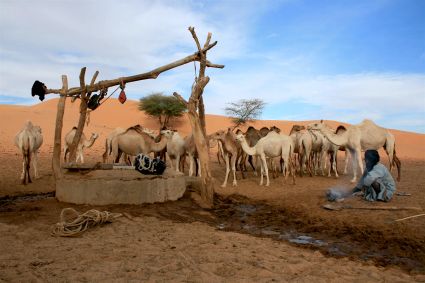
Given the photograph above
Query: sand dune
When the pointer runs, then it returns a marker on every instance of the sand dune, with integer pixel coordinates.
(113, 114)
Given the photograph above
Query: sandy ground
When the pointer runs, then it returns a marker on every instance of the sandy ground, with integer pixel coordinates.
(246, 237)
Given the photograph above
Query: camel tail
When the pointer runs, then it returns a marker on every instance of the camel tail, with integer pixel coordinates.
(27, 162)
(397, 162)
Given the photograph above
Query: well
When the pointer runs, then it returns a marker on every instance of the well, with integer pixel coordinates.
(118, 186)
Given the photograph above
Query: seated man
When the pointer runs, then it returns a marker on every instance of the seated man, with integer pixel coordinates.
(376, 182)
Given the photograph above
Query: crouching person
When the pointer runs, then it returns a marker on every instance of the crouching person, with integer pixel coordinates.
(376, 182)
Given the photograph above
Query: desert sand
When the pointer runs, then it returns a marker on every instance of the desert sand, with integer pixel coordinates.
(253, 234)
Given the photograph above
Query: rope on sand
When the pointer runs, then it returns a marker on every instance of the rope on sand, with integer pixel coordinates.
(73, 224)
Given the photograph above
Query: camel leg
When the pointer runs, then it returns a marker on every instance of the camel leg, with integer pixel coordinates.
(261, 172)
(198, 161)
(34, 164)
(190, 165)
(234, 160)
(81, 156)
(266, 170)
(171, 161)
(226, 159)
(178, 163)
(346, 163)
(24, 165)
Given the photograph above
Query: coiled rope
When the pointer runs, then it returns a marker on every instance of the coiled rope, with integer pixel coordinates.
(73, 224)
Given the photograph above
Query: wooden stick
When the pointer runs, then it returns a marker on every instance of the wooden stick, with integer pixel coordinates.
(413, 216)
(339, 207)
(144, 76)
(383, 207)
(58, 130)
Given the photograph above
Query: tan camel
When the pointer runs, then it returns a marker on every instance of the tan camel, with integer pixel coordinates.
(272, 145)
(190, 149)
(175, 150)
(29, 140)
(295, 134)
(84, 143)
(134, 141)
(231, 151)
(116, 132)
(339, 130)
(366, 135)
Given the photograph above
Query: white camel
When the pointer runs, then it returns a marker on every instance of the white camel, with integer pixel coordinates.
(175, 150)
(29, 140)
(134, 141)
(366, 135)
(272, 145)
(83, 144)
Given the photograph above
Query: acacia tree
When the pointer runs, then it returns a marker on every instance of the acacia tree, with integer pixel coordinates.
(162, 107)
(244, 110)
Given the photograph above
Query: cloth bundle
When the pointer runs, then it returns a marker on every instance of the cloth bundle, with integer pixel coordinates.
(148, 166)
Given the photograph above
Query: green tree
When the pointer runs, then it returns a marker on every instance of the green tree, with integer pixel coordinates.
(244, 110)
(162, 107)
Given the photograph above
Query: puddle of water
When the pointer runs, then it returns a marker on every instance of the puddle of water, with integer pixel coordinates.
(29, 197)
(255, 220)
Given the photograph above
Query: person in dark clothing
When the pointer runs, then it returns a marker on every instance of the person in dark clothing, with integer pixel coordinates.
(376, 182)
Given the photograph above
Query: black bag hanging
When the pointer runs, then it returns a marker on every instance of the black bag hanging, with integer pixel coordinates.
(148, 166)
(39, 89)
(94, 101)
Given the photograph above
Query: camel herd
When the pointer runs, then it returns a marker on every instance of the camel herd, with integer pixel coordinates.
(306, 150)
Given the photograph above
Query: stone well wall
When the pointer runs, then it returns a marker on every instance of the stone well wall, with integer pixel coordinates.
(102, 187)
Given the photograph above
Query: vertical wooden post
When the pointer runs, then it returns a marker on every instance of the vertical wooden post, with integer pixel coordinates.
(83, 113)
(57, 171)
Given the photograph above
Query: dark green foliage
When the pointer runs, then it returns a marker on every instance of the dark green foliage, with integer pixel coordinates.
(162, 107)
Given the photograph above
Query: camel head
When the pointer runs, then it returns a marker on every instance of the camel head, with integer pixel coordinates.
(240, 138)
(264, 131)
(276, 129)
(167, 133)
(37, 129)
(296, 128)
(316, 126)
(218, 135)
(94, 136)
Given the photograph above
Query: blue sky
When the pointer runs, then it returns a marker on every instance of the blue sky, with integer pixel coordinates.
(339, 60)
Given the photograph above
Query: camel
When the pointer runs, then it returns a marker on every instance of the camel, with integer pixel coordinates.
(134, 141)
(84, 143)
(363, 136)
(296, 134)
(116, 132)
(108, 142)
(231, 150)
(272, 145)
(175, 150)
(190, 149)
(29, 140)
(339, 130)
(305, 144)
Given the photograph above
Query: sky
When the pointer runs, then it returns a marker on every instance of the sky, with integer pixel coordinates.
(306, 59)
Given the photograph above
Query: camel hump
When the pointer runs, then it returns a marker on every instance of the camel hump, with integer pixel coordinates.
(137, 128)
(340, 128)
